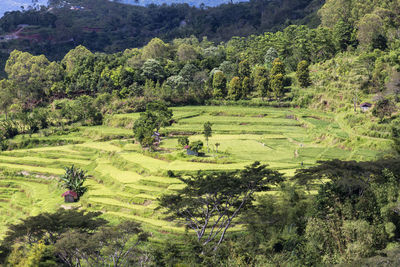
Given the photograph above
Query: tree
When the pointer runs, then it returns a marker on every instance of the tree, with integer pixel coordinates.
(157, 115)
(7, 94)
(277, 67)
(153, 70)
(371, 31)
(342, 34)
(259, 73)
(74, 57)
(186, 53)
(196, 146)
(155, 49)
(277, 85)
(235, 88)
(396, 137)
(109, 246)
(216, 146)
(246, 87)
(207, 132)
(49, 227)
(277, 76)
(28, 73)
(211, 202)
(263, 88)
(384, 107)
(219, 85)
(183, 141)
(244, 69)
(269, 57)
(303, 74)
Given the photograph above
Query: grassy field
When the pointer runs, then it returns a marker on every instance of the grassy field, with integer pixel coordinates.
(126, 181)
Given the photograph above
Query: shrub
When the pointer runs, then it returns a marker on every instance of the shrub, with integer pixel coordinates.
(183, 141)
(196, 146)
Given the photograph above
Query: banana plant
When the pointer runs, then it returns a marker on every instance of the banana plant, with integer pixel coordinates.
(73, 179)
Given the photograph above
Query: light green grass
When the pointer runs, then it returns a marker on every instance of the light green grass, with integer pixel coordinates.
(125, 181)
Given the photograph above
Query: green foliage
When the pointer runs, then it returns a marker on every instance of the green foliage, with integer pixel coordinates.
(227, 193)
(74, 179)
(196, 146)
(49, 227)
(384, 107)
(219, 85)
(109, 245)
(246, 87)
(303, 74)
(157, 115)
(183, 141)
(396, 137)
(235, 89)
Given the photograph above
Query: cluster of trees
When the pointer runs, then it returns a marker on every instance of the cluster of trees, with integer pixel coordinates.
(187, 71)
(352, 218)
(73, 238)
(146, 128)
(109, 26)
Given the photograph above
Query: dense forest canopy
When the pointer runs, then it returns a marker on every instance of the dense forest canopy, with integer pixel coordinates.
(106, 26)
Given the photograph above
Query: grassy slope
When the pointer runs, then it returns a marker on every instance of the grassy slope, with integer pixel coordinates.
(125, 181)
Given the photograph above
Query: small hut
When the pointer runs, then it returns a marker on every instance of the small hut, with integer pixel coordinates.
(70, 196)
(365, 106)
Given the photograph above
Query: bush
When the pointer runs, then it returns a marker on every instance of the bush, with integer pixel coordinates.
(196, 146)
(183, 141)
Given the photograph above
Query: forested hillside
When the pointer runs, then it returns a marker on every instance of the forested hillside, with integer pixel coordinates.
(230, 144)
(101, 25)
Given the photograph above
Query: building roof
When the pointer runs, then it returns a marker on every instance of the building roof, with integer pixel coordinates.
(70, 193)
(366, 105)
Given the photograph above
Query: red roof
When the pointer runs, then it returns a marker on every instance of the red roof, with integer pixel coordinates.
(70, 193)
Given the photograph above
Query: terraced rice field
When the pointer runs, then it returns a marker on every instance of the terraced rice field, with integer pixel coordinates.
(126, 181)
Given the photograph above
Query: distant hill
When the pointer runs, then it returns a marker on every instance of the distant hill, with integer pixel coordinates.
(197, 3)
(106, 26)
(11, 5)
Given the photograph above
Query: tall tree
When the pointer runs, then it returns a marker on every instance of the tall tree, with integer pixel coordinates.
(235, 88)
(303, 74)
(207, 132)
(7, 94)
(277, 76)
(157, 115)
(211, 202)
(219, 84)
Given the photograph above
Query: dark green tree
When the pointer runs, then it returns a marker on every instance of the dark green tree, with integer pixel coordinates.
(384, 107)
(210, 202)
(157, 115)
(277, 76)
(246, 87)
(183, 141)
(303, 74)
(219, 85)
(235, 88)
(49, 227)
(109, 246)
(207, 132)
(244, 69)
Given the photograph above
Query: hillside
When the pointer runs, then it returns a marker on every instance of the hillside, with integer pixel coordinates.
(112, 27)
(207, 3)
